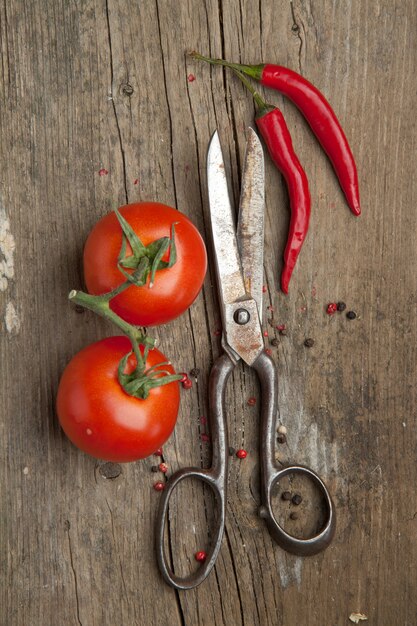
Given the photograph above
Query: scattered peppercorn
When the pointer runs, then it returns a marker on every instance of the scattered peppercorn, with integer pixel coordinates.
(264, 289)
(274, 342)
(159, 486)
(184, 377)
(309, 343)
(203, 420)
(158, 452)
(241, 454)
(268, 351)
(217, 332)
(252, 401)
(341, 306)
(294, 515)
(154, 468)
(282, 429)
(232, 451)
(205, 437)
(351, 315)
(286, 495)
(282, 438)
(163, 467)
(331, 308)
(296, 499)
(283, 332)
(200, 556)
(265, 333)
(194, 372)
(280, 327)
(191, 78)
(187, 384)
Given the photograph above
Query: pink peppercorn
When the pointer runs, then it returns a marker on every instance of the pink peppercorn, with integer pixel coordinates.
(251, 401)
(241, 454)
(331, 308)
(158, 452)
(159, 486)
(200, 556)
(163, 467)
(187, 383)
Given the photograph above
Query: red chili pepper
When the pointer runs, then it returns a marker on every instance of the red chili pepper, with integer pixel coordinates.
(272, 126)
(318, 113)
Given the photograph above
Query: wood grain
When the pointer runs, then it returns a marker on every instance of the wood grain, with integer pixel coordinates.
(77, 547)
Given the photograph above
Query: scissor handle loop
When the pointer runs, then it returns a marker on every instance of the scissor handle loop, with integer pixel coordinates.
(271, 474)
(201, 574)
(301, 547)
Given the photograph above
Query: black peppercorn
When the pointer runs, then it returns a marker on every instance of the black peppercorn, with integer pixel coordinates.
(309, 343)
(351, 315)
(341, 306)
(286, 495)
(294, 515)
(282, 438)
(296, 499)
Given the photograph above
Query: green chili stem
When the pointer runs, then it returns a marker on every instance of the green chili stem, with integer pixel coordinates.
(254, 71)
(240, 70)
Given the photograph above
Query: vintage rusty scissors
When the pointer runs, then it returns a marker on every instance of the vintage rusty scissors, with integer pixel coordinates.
(239, 267)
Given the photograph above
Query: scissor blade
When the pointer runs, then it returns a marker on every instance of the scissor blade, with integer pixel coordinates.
(229, 271)
(250, 230)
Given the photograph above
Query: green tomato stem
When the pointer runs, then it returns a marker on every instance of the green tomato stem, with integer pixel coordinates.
(101, 306)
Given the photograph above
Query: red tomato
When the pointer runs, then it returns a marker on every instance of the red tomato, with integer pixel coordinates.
(104, 421)
(174, 289)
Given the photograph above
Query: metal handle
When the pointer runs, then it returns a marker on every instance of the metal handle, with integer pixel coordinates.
(215, 477)
(271, 473)
(197, 577)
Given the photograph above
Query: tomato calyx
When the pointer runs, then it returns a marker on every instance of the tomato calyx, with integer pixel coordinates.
(139, 383)
(144, 260)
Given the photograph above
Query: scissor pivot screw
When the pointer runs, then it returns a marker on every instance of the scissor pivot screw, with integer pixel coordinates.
(241, 316)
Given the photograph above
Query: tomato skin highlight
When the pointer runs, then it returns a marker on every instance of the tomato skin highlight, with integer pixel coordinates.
(174, 289)
(100, 418)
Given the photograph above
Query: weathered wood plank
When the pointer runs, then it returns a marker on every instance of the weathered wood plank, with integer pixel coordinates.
(78, 546)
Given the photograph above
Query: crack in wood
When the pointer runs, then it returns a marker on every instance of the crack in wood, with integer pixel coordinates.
(119, 132)
(296, 29)
(74, 573)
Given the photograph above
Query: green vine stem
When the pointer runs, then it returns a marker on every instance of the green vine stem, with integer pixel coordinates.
(141, 380)
(101, 306)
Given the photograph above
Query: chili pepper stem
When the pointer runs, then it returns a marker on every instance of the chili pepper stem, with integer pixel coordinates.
(264, 107)
(254, 71)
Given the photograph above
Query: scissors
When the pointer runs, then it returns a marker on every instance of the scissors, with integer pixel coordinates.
(239, 268)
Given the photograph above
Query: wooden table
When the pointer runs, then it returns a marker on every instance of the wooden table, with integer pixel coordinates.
(93, 85)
